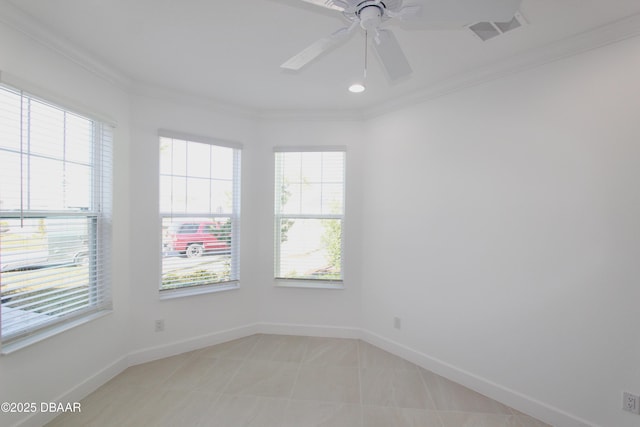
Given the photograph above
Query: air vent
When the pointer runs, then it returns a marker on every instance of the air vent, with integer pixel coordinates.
(488, 30)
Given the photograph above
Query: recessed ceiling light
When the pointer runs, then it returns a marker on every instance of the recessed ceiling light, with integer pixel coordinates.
(357, 88)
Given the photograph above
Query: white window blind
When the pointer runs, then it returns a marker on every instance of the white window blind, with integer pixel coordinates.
(309, 215)
(200, 210)
(55, 216)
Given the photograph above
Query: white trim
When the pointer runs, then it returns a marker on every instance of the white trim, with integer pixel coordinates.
(190, 291)
(48, 332)
(310, 216)
(306, 282)
(282, 282)
(310, 149)
(77, 392)
(165, 133)
(38, 32)
(512, 398)
(208, 103)
(195, 343)
(311, 115)
(309, 330)
(28, 327)
(52, 98)
(182, 346)
(591, 39)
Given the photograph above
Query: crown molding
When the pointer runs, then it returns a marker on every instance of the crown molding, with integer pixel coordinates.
(607, 34)
(616, 31)
(179, 97)
(307, 115)
(41, 34)
(225, 107)
(593, 39)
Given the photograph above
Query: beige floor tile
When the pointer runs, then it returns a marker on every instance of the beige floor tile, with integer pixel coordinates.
(331, 351)
(156, 406)
(110, 405)
(374, 357)
(377, 416)
(328, 383)
(394, 387)
(286, 381)
(263, 378)
(463, 419)
(236, 349)
(450, 396)
(301, 413)
(279, 348)
(248, 411)
(527, 421)
(204, 374)
(196, 409)
(151, 374)
(71, 420)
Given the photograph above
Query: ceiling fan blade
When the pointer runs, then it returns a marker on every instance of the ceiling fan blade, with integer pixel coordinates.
(329, 4)
(318, 48)
(406, 13)
(463, 12)
(391, 56)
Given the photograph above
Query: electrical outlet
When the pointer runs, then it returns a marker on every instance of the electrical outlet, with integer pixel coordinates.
(631, 402)
(159, 325)
(397, 323)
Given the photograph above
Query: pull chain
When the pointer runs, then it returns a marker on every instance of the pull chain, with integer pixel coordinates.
(366, 50)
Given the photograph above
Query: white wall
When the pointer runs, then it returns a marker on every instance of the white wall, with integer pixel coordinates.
(500, 223)
(502, 227)
(198, 318)
(320, 311)
(69, 365)
(68, 362)
(258, 304)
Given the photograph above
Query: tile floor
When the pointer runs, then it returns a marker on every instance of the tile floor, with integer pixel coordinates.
(288, 381)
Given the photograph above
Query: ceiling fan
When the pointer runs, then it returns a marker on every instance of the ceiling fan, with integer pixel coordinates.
(371, 15)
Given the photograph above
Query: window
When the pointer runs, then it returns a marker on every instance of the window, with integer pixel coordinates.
(200, 210)
(309, 217)
(55, 216)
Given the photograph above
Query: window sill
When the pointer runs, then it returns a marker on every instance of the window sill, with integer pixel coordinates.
(198, 290)
(310, 284)
(50, 332)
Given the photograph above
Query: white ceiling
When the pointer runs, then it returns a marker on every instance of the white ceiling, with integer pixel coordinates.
(230, 51)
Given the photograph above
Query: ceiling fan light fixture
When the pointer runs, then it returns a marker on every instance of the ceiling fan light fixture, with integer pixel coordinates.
(357, 88)
(370, 16)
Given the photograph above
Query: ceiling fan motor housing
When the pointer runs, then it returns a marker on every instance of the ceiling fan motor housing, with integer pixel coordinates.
(370, 17)
(371, 12)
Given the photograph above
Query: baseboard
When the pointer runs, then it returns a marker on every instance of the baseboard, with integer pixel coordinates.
(177, 347)
(521, 402)
(182, 346)
(309, 330)
(77, 393)
(514, 399)
(92, 383)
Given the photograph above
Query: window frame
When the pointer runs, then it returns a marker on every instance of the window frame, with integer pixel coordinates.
(98, 217)
(196, 216)
(308, 283)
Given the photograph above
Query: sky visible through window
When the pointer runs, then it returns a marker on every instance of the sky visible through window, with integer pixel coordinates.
(46, 159)
(198, 204)
(309, 215)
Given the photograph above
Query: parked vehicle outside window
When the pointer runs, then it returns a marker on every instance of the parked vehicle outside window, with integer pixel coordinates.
(197, 238)
(29, 244)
